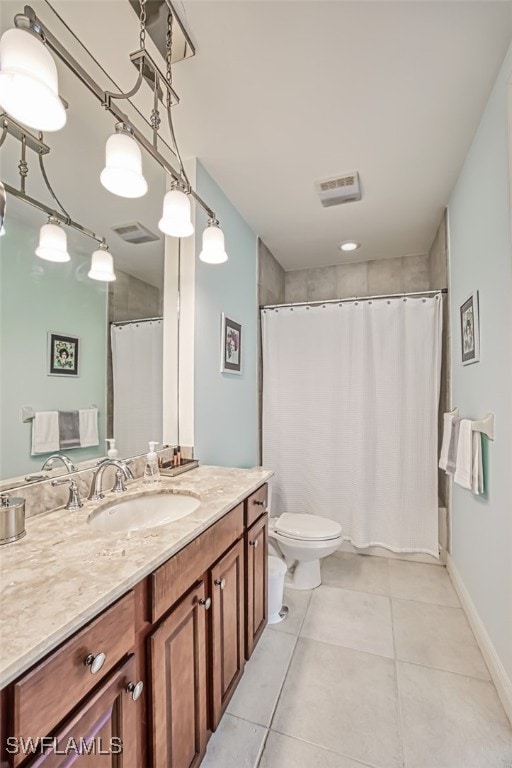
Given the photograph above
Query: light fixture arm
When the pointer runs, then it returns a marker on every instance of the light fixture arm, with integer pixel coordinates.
(59, 50)
(50, 212)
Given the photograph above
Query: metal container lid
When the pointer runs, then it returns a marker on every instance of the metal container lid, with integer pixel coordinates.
(8, 502)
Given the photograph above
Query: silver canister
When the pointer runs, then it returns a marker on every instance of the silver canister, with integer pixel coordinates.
(12, 518)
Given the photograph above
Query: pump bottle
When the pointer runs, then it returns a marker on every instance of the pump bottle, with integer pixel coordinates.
(151, 471)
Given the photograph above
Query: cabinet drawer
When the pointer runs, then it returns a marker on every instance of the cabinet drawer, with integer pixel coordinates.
(256, 505)
(178, 574)
(54, 687)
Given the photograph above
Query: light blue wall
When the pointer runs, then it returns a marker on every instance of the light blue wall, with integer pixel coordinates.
(38, 296)
(481, 259)
(226, 405)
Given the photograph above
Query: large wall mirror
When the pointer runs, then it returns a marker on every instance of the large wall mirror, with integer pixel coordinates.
(39, 298)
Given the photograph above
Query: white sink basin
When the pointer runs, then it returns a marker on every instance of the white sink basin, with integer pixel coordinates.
(142, 512)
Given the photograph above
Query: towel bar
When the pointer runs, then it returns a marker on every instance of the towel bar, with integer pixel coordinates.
(28, 413)
(485, 425)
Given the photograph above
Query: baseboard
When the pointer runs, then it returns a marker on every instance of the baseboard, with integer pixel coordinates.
(497, 671)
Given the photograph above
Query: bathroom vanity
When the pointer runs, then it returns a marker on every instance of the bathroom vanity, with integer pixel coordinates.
(146, 633)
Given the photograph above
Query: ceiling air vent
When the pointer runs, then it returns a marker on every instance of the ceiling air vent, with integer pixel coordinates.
(343, 189)
(135, 233)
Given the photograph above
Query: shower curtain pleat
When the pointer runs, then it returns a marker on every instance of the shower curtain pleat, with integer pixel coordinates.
(350, 398)
(137, 370)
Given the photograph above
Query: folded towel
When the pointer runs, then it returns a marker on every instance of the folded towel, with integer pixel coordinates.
(88, 420)
(447, 433)
(45, 432)
(451, 462)
(464, 469)
(69, 430)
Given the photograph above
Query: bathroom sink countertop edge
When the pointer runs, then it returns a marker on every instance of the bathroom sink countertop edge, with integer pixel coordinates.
(64, 572)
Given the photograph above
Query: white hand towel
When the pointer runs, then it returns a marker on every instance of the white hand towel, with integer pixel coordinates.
(45, 432)
(88, 420)
(447, 433)
(464, 468)
(477, 473)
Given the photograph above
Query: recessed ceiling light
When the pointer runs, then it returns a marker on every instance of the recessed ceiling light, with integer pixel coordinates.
(349, 245)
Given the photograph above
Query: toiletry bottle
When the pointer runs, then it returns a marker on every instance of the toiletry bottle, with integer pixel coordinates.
(178, 456)
(112, 452)
(151, 471)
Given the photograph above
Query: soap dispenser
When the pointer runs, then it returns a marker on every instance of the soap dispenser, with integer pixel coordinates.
(112, 452)
(151, 471)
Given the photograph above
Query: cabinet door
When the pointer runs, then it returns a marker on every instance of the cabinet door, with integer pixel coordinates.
(102, 733)
(256, 555)
(227, 623)
(178, 684)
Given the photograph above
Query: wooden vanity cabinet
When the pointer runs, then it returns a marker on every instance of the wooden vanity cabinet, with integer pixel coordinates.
(184, 631)
(227, 616)
(179, 686)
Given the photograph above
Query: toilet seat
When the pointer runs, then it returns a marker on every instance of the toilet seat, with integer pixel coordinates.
(307, 527)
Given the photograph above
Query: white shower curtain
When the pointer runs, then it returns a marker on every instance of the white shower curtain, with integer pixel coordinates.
(350, 398)
(137, 376)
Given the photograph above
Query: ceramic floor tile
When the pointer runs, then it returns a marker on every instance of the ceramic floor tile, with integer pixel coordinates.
(437, 636)
(235, 744)
(451, 721)
(354, 619)
(360, 572)
(284, 752)
(257, 693)
(419, 581)
(342, 700)
(297, 602)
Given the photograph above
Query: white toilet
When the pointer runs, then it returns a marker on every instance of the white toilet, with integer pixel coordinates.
(303, 540)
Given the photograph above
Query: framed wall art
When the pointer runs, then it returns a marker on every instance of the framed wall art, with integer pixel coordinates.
(62, 355)
(470, 330)
(231, 348)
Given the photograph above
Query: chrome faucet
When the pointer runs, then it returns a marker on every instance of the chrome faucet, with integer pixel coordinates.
(96, 493)
(74, 500)
(48, 465)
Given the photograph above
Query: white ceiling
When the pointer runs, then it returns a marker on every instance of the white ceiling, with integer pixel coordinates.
(281, 94)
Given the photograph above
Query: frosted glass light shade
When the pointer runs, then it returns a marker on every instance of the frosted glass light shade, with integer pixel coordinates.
(29, 89)
(102, 266)
(175, 219)
(213, 251)
(122, 174)
(53, 243)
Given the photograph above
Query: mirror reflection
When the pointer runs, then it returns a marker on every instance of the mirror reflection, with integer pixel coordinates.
(70, 341)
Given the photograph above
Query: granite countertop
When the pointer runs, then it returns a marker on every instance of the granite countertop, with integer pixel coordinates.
(64, 572)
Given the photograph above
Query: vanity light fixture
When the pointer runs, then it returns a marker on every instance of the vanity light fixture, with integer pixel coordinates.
(349, 245)
(102, 265)
(213, 251)
(176, 219)
(122, 174)
(53, 243)
(27, 61)
(29, 89)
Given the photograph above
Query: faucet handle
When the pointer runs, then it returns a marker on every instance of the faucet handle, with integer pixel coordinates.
(74, 500)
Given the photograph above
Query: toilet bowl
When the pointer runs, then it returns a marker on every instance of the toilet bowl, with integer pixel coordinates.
(302, 540)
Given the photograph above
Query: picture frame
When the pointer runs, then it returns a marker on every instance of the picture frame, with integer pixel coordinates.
(231, 346)
(470, 330)
(63, 354)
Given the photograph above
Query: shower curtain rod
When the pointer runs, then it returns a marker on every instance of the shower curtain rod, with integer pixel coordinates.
(354, 298)
(141, 320)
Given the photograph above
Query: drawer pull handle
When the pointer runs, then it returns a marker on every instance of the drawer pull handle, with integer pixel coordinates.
(254, 543)
(205, 603)
(135, 689)
(220, 583)
(95, 663)
(259, 503)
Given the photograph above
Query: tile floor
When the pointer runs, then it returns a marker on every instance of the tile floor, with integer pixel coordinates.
(377, 667)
